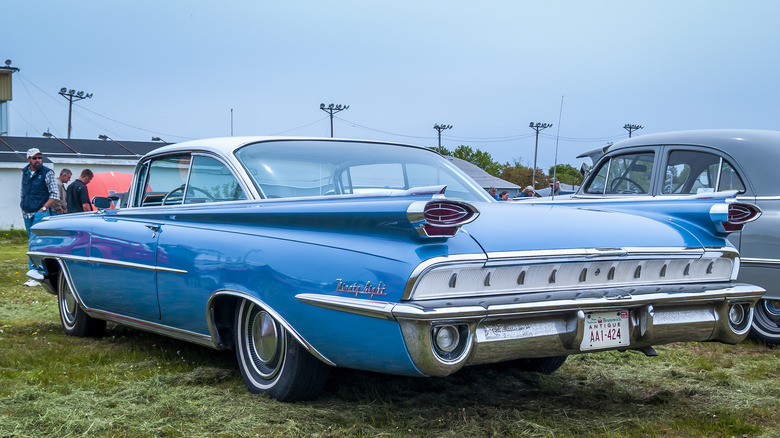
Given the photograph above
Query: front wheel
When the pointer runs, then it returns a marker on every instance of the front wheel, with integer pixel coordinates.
(75, 322)
(271, 361)
(766, 322)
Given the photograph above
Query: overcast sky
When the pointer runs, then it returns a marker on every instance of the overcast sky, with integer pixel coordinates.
(176, 69)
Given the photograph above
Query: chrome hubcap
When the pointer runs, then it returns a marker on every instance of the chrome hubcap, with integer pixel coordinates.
(772, 307)
(68, 304)
(265, 337)
(265, 342)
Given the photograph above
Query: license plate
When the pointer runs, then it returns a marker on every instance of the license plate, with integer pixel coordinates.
(605, 330)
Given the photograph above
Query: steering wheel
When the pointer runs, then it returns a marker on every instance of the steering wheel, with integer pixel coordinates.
(616, 182)
(181, 188)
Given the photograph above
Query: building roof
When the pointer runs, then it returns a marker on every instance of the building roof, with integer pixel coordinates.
(484, 179)
(14, 149)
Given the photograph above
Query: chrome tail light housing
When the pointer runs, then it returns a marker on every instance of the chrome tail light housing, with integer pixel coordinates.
(731, 217)
(440, 217)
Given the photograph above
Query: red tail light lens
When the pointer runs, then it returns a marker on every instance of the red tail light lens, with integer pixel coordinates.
(742, 213)
(731, 218)
(440, 218)
(445, 214)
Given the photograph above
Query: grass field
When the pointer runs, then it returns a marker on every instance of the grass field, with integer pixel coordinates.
(134, 384)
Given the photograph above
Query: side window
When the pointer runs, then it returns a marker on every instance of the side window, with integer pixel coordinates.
(624, 175)
(692, 172)
(211, 181)
(165, 182)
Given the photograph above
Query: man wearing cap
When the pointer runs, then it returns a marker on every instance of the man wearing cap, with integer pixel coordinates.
(528, 192)
(39, 191)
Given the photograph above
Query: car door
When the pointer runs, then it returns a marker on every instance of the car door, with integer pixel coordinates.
(123, 270)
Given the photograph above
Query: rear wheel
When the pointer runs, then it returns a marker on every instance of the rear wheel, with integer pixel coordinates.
(766, 322)
(271, 361)
(75, 322)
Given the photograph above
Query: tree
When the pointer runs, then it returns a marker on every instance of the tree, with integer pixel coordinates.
(478, 158)
(521, 175)
(566, 174)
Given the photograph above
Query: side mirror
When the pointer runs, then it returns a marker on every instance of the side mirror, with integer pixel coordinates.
(101, 203)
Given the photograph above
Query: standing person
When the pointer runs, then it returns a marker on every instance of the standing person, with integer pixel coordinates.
(61, 205)
(39, 192)
(78, 195)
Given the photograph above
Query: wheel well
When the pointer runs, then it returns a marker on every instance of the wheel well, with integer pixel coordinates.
(223, 316)
(52, 273)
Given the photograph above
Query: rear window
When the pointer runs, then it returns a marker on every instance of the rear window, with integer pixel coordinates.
(694, 172)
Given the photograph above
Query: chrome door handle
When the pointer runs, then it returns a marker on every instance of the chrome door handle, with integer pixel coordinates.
(154, 228)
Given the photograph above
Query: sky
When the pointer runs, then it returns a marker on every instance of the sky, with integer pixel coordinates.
(183, 70)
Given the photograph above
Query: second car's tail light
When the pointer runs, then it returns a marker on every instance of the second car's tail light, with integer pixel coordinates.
(732, 217)
(440, 218)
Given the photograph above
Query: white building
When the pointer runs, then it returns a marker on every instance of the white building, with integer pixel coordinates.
(76, 155)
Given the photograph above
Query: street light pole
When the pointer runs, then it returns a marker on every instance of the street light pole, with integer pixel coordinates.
(441, 128)
(72, 96)
(631, 128)
(48, 134)
(332, 109)
(537, 127)
(105, 137)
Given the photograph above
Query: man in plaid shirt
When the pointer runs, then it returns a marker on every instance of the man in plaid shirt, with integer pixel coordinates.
(39, 192)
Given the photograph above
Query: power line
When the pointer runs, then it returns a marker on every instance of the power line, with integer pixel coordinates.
(299, 127)
(135, 127)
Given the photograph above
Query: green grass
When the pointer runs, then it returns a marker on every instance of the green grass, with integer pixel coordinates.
(133, 384)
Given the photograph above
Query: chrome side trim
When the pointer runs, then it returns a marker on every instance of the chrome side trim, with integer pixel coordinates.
(415, 311)
(757, 261)
(102, 261)
(160, 329)
(243, 295)
(370, 308)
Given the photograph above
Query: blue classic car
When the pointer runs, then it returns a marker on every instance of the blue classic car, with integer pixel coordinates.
(305, 254)
(679, 165)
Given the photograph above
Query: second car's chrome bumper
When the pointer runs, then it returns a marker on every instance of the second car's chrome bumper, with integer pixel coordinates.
(494, 329)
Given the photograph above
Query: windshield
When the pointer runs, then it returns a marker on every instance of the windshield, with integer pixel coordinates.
(297, 168)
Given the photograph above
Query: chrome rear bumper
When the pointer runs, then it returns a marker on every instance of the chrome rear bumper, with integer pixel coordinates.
(495, 329)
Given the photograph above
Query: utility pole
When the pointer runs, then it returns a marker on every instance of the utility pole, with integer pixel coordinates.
(332, 109)
(441, 128)
(537, 127)
(72, 96)
(631, 128)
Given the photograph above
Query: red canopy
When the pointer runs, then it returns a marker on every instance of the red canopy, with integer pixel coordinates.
(106, 183)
